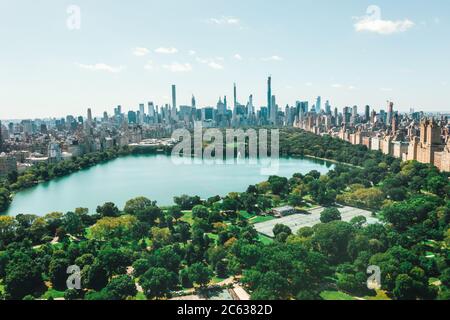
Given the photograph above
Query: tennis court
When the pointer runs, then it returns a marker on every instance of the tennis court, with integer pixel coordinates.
(298, 221)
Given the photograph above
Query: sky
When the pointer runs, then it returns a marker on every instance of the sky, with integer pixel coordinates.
(62, 57)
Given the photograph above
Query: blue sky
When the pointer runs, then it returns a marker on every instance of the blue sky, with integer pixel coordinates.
(131, 52)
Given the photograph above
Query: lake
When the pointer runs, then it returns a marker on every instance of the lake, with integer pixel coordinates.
(156, 177)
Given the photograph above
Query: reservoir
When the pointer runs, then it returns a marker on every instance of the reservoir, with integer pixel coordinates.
(156, 177)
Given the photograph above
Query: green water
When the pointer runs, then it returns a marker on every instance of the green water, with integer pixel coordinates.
(155, 177)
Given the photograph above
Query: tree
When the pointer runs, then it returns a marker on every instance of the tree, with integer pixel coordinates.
(175, 212)
(200, 212)
(135, 205)
(95, 276)
(109, 209)
(330, 214)
(140, 266)
(73, 224)
(200, 274)
(7, 227)
(58, 273)
(23, 276)
(158, 282)
(278, 185)
(114, 260)
(121, 287)
(186, 202)
(332, 239)
(404, 288)
(281, 228)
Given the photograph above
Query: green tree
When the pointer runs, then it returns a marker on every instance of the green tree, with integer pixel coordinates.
(158, 282)
(108, 209)
(330, 214)
(200, 274)
(121, 287)
(58, 273)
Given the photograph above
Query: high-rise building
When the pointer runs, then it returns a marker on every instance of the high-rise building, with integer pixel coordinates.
(141, 113)
(269, 95)
(89, 116)
(193, 103)
(174, 97)
(273, 111)
(367, 113)
(1, 137)
(318, 104)
(355, 111)
(250, 107)
(234, 96)
(390, 113)
(151, 110)
(327, 107)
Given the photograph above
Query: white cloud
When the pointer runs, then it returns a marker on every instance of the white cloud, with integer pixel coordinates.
(273, 58)
(178, 67)
(215, 65)
(237, 56)
(336, 85)
(224, 21)
(101, 67)
(192, 53)
(163, 50)
(384, 27)
(351, 88)
(212, 63)
(308, 84)
(140, 51)
(149, 66)
(386, 89)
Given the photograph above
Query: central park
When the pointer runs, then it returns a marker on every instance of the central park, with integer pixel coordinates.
(153, 247)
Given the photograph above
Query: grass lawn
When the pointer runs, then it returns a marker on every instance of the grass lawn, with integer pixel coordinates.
(265, 239)
(260, 219)
(335, 295)
(187, 217)
(246, 215)
(213, 236)
(2, 287)
(53, 293)
(381, 295)
(216, 279)
(140, 296)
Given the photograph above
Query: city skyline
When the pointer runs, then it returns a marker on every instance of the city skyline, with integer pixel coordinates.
(349, 54)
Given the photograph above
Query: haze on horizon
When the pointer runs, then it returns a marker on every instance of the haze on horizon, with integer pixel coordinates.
(352, 53)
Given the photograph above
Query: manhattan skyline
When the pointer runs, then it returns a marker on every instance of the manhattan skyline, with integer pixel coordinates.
(127, 56)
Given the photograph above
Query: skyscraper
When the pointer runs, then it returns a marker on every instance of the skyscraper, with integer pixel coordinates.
(141, 113)
(390, 113)
(235, 96)
(367, 113)
(250, 107)
(193, 103)
(269, 95)
(151, 110)
(174, 97)
(1, 138)
(89, 116)
(318, 104)
(327, 107)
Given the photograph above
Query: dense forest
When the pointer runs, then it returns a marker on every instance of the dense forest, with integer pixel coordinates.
(198, 242)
